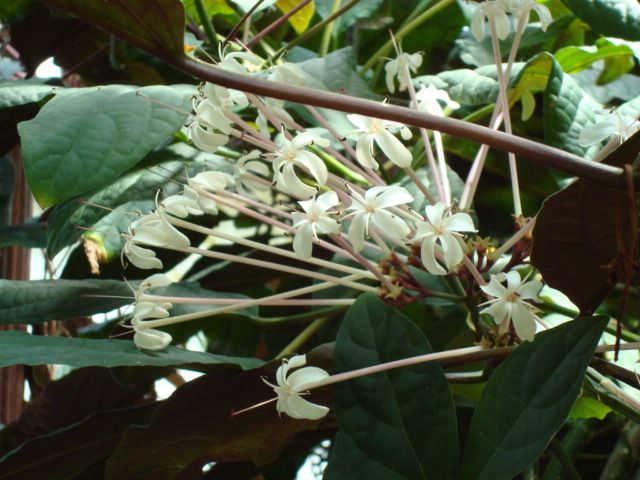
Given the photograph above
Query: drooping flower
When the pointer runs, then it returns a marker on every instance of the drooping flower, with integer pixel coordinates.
(613, 124)
(376, 130)
(293, 154)
(146, 307)
(521, 9)
(155, 230)
(224, 98)
(429, 99)
(244, 171)
(143, 258)
(315, 220)
(492, 11)
(395, 69)
(150, 338)
(443, 229)
(509, 303)
(231, 62)
(370, 210)
(209, 128)
(291, 387)
(209, 181)
(185, 204)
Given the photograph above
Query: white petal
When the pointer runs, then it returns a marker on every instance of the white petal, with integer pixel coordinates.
(494, 288)
(460, 222)
(435, 213)
(428, 257)
(523, 321)
(503, 26)
(297, 361)
(530, 290)
(299, 408)
(359, 121)
(364, 151)
(513, 280)
(477, 24)
(327, 200)
(594, 134)
(394, 149)
(391, 69)
(304, 376)
(390, 224)
(452, 251)
(302, 241)
(313, 165)
(290, 183)
(142, 258)
(206, 141)
(392, 196)
(151, 339)
(357, 230)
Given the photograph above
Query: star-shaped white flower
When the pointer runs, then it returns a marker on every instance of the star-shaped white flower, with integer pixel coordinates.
(376, 130)
(293, 154)
(370, 210)
(291, 387)
(395, 69)
(443, 229)
(509, 303)
(493, 11)
(429, 99)
(315, 220)
(612, 124)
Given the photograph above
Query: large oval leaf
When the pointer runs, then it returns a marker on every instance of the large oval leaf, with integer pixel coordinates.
(527, 399)
(155, 25)
(567, 110)
(398, 424)
(614, 18)
(84, 139)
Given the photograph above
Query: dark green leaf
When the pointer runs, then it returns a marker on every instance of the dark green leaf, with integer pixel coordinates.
(12, 10)
(21, 92)
(84, 139)
(30, 235)
(527, 399)
(20, 348)
(156, 26)
(614, 18)
(65, 453)
(398, 424)
(195, 425)
(43, 300)
(567, 110)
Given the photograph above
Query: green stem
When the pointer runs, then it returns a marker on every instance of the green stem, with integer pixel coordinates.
(300, 317)
(303, 337)
(407, 29)
(328, 31)
(206, 22)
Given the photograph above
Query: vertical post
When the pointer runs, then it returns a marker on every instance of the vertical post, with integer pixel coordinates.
(14, 265)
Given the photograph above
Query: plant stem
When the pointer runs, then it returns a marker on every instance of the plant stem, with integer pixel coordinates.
(206, 22)
(278, 22)
(563, 458)
(407, 29)
(328, 31)
(303, 337)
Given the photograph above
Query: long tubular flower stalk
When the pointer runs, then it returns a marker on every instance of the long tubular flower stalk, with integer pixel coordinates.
(163, 322)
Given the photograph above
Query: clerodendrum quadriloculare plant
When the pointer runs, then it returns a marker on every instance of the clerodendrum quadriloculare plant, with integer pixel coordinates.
(357, 211)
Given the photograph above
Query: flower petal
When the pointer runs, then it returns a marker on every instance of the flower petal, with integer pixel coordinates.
(357, 230)
(299, 408)
(394, 149)
(302, 241)
(428, 257)
(364, 151)
(452, 251)
(151, 339)
(523, 321)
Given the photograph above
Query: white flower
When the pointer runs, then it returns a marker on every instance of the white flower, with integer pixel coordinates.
(277, 110)
(226, 99)
(493, 11)
(185, 204)
(613, 124)
(288, 74)
(374, 129)
(143, 258)
(509, 303)
(244, 171)
(194, 195)
(443, 229)
(370, 209)
(290, 389)
(522, 8)
(207, 120)
(396, 68)
(428, 97)
(292, 154)
(315, 220)
(230, 62)
(155, 230)
(150, 338)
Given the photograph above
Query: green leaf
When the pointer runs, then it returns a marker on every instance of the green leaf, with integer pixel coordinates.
(29, 235)
(567, 110)
(301, 19)
(362, 10)
(66, 453)
(156, 26)
(589, 407)
(195, 426)
(527, 399)
(21, 348)
(613, 18)
(13, 10)
(576, 59)
(20, 92)
(397, 424)
(140, 185)
(84, 139)
(336, 72)
(42, 300)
